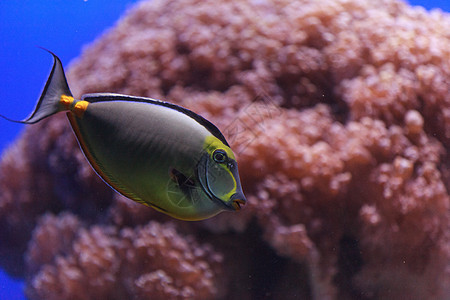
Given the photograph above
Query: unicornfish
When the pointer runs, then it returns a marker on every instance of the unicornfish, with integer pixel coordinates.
(154, 152)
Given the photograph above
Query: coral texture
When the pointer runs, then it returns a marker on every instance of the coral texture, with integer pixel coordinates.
(339, 113)
(101, 262)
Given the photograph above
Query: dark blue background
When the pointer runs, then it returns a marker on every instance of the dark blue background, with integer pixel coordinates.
(63, 26)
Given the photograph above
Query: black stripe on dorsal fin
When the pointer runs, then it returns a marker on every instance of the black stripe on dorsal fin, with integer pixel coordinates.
(105, 97)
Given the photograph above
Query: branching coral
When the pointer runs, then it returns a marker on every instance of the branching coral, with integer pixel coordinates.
(339, 113)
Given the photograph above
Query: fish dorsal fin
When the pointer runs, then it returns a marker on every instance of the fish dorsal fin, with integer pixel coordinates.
(105, 97)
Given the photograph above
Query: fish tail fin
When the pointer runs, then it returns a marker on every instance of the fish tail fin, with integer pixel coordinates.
(55, 97)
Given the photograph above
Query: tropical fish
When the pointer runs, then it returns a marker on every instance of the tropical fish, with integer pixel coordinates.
(156, 153)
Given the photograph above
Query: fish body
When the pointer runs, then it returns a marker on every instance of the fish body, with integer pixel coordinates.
(153, 152)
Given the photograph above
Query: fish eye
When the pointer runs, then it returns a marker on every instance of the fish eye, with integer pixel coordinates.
(220, 156)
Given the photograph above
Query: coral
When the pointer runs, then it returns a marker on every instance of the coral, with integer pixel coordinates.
(101, 262)
(44, 172)
(339, 114)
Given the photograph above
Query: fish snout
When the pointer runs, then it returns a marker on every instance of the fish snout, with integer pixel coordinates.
(237, 200)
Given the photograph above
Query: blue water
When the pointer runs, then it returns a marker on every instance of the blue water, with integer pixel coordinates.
(63, 27)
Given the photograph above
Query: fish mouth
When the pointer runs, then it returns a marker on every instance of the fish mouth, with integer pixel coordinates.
(237, 200)
(237, 204)
(232, 203)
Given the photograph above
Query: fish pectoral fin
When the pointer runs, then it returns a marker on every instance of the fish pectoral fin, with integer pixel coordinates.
(184, 182)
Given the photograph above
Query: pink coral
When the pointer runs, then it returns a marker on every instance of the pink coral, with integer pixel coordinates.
(339, 114)
(103, 263)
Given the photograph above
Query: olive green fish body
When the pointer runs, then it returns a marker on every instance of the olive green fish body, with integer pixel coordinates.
(155, 140)
(153, 152)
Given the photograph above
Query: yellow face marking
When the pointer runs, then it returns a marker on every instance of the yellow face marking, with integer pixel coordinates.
(211, 144)
(233, 191)
(79, 108)
(66, 101)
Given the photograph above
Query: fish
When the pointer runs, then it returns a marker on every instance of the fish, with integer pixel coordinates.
(154, 152)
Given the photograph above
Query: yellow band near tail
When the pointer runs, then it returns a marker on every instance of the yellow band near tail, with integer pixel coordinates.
(66, 101)
(79, 108)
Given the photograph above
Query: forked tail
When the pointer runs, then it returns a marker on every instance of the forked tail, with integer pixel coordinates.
(55, 97)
